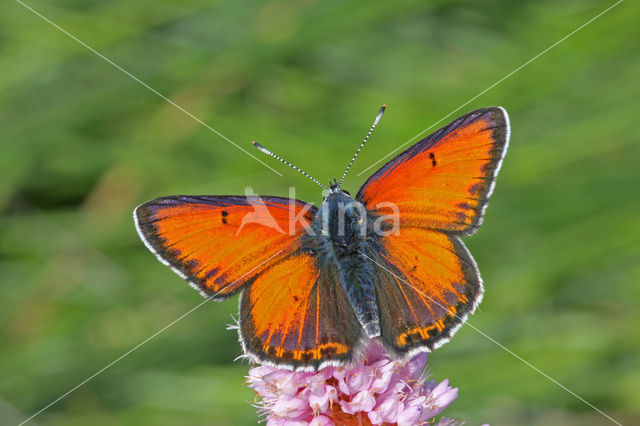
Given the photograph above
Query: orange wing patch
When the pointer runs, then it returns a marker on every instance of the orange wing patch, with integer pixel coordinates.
(427, 284)
(296, 315)
(444, 181)
(219, 243)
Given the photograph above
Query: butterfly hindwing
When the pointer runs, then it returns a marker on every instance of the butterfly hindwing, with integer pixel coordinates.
(218, 243)
(426, 283)
(444, 181)
(296, 314)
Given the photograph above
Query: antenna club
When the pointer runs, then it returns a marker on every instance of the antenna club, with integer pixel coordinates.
(262, 149)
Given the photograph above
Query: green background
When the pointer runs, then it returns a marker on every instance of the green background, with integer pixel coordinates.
(82, 144)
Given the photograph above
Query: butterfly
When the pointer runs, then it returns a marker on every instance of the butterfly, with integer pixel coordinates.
(317, 283)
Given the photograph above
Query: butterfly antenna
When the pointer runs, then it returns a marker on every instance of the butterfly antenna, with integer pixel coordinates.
(266, 151)
(373, 126)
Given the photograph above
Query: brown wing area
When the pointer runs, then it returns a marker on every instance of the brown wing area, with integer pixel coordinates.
(296, 315)
(219, 243)
(427, 283)
(445, 180)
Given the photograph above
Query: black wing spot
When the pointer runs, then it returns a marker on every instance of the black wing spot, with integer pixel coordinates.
(224, 220)
(433, 159)
(225, 213)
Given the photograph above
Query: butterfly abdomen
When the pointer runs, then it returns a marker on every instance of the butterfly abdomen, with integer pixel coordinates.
(357, 281)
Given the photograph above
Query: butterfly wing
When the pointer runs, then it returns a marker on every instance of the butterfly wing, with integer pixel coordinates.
(219, 243)
(445, 180)
(426, 284)
(426, 280)
(295, 314)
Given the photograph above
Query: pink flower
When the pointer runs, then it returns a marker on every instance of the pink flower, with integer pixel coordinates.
(374, 391)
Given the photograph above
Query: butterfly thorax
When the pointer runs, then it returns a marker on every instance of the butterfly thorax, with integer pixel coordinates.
(340, 239)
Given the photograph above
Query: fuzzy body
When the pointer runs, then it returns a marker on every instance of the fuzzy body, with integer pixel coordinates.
(340, 235)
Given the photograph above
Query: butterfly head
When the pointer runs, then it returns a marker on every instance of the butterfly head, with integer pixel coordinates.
(334, 189)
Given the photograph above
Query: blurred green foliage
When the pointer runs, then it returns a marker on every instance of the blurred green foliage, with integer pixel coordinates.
(82, 144)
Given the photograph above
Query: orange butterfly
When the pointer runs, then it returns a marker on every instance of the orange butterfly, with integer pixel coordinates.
(317, 283)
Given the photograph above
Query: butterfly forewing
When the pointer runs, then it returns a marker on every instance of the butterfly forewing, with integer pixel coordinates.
(445, 180)
(219, 243)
